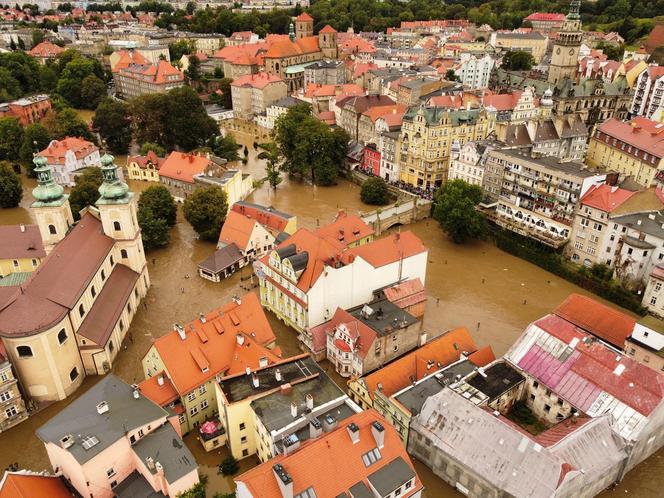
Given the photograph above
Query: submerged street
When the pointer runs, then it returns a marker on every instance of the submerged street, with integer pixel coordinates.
(475, 286)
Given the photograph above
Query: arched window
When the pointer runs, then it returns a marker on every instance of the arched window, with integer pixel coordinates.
(93, 291)
(123, 253)
(24, 351)
(73, 375)
(116, 225)
(112, 261)
(81, 310)
(103, 275)
(52, 230)
(111, 347)
(62, 336)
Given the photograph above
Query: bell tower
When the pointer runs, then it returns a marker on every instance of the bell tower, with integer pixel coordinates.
(118, 213)
(51, 206)
(304, 26)
(566, 46)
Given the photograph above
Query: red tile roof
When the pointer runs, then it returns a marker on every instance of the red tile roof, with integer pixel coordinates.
(162, 394)
(183, 166)
(545, 16)
(304, 17)
(16, 485)
(332, 463)
(46, 49)
(56, 150)
(215, 344)
(143, 161)
(318, 90)
(162, 73)
(406, 293)
(345, 229)
(385, 111)
(266, 216)
(247, 54)
(21, 241)
(328, 29)
(128, 57)
(387, 250)
(260, 80)
(640, 132)
(605, 197)
(237, 229)
(357, 330)
(56, 286)
(288, 48)
(601, 320)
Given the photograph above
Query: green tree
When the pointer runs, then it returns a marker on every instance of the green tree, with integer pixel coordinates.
(450, 75)
(181, 47)
(11, 190)
(154, 230)
(198, 489)
(375, 191)
(205, 210)
(225, 146)
(194, 69)
(190, 124)
(454, 208)
(518, 61)
(93, 91)
(272, 157)
(229, 466)
(11, 136)
(37, 36)
(112, 121)
(160, 202)
(35, 138)
(156, 148)
(149, 113)
(86, 190)
(66, 123)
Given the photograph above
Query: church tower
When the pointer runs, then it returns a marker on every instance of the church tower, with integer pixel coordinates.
(304, 26)
(51, 207)
(118, 213)
(566, 46)
(327, 41)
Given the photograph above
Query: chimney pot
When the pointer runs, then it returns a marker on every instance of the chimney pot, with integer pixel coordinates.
(293, 409)
(254, 380)
(160, 380)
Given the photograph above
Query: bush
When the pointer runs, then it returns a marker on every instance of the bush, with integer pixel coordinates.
(375, 191)
(205, 210)
(229, 466)
(11, 190)
(552, 261)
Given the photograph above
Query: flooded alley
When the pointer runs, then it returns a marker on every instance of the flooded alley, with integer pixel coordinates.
(493, 294)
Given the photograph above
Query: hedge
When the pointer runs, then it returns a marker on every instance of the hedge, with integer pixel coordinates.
(552, 261)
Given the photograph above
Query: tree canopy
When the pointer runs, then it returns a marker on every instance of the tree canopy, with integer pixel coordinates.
(375, 191)
(159, 200)
(272, 156)
(113, 123)
(66, 123)
(454, 208)
(35, 139)
(205, 209)
(11, 190)
(518, 61)
(11, 136)
(86, 190)
(225, 146)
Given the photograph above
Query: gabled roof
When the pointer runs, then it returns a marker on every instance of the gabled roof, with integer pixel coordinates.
(233, 337)
(385, 111)
(601, 320)
(161, 394)
(310, 466)
(640, 132)
(304, 17)
(237, 228)
(387, 250)
(345, 229)
(21, 241)
(55, 287)
(26, 485)
(605, 197)
(56, 150)
(46, 49)
(289, 48)
(260, 80)
(265, 215)
(406, 293)
(149, 158)
(328, 29)
(128, 57)
(183, 166)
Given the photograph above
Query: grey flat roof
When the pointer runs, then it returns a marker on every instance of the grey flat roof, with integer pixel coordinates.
(413, 399)
(136, 486)
(498, 378)
(652, 227)
(360, 490)
(391, 476)
(385, 318)
(166, 447)
(80, 419)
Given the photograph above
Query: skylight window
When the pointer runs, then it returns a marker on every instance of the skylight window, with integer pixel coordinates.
(371, 457)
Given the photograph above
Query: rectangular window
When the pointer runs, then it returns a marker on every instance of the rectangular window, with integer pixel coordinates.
(5, 396)
(202, 389)
(204, 404)
(110, 472)
(191, 396)
(193, 411)
(242, 426)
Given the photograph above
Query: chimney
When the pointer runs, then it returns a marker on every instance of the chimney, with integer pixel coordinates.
(136, 394)
(262, 361)
(277, 375)
(310, 401)
(240, 339)
(201, 317)
(284, 480)
(22, 228)
(651, 216)
(160, 380)
(180, 330)
(291, 443)
(329, 423)
(254, 380)
(159, 468)
(247, 371)
(102, 407)
(293, 409)
(315, 428)
(638, 222)
(149, 461)
(237, 300)
(353, 432)
(423, 339)
(481, 372)
(378, 432)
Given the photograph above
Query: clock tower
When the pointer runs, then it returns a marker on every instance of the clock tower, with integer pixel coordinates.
(566, 46)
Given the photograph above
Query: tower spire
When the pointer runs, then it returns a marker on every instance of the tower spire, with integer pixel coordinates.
(291, 32)
(112, 190)
(47, 192)
(574, 9)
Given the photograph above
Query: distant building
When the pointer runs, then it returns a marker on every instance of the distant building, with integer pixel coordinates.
(353, 107)
(82, 298)
(141, 79)
(27, 110)
(274, 111)
(144, 168)
(378, 389)
(252, 94)
(533, 42)
(45, 51)
(468, 164)
(545, 21)
(368, 458)
(69, 157)
(187, 361)
(325, 72)
(474, 72)
(112, 441)
(634, 148)
(21, 250)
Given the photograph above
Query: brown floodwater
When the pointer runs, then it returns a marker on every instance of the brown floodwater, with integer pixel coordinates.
(493, 294)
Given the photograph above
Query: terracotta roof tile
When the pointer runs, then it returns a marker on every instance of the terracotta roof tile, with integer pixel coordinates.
(128, 57)
(304, 17)
(605, 197)
(267, 216)
(328, 29)
(260, 80)
(388, 249)
(56, 150)
(183, 166)
(46, 49)
(640, 132)
(17, 485)
(160, 394)
(21, 241)
(345, 229)
(237, 229)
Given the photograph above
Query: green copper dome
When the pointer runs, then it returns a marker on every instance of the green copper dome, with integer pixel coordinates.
(112, 190)
(47, 192)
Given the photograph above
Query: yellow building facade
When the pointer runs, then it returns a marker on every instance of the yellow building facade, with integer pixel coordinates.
(428, 136)
(21, 249)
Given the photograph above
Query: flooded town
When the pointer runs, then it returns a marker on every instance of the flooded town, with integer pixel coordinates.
(277, 252)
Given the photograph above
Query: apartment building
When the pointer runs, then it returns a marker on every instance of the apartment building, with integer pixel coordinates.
(427, 137)
(468, 164)
(69, 157)
(12, 406)
(545, 21)
(27, 110)
(533, 42)
(325, 72)
(271, 411)
(634, 148)
(538, 196)
(379, 389)
(307, 277)
(112, 441)
(644, 344)
(193, 357)
(253, 93)
(352, 108)
(474, 72)
(368, 126)
(142, 79)
(648, 100)
(365, 452)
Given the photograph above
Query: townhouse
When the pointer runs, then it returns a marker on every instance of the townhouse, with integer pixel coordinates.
(12, 405)
(141, 79)
(145, 168)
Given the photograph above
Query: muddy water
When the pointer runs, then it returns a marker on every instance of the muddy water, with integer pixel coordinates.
(477, 286)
